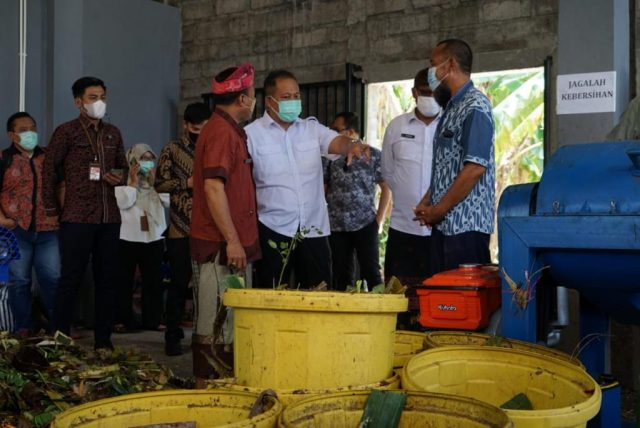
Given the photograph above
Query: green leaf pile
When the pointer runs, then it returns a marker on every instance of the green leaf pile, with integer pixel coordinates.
(43, 376)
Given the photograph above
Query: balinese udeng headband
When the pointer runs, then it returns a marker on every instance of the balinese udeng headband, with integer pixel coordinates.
(239, 80)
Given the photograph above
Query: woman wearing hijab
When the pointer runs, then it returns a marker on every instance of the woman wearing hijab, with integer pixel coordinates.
(141, 240)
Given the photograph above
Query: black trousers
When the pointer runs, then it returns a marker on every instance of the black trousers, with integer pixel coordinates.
(364, 243)
(407, 256)
(78, 243)
(180, 262)
(451, 251)
(148, 257)
(310, 261)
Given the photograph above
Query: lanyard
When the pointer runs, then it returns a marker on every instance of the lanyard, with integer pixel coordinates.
(94, 145)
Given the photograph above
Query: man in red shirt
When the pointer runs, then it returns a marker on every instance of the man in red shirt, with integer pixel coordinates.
(224, 227)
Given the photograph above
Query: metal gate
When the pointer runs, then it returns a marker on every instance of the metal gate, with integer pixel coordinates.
(324, 100)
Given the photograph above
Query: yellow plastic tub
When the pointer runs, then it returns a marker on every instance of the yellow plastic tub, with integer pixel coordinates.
(437, 339)
(562, 394)
(407, 344)
(312, 339)
(290, 396)
(421, 410)
(206, 408)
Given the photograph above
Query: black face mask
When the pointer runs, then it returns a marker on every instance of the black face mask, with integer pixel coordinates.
(193, 137)
(442, 94)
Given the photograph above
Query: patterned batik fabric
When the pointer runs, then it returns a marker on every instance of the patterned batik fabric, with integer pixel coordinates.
(465, 134)
(351, 191)
(175, 167)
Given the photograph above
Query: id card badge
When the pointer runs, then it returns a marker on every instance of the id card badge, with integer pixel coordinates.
(94, 171)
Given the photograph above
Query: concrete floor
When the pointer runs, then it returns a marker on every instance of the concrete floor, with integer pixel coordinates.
(152, 343)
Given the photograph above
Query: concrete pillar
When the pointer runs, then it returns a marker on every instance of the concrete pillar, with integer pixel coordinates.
(593, 36)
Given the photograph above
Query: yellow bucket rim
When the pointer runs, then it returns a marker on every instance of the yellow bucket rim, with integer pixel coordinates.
(430, 341)
(587, 408)
(415, 393)
(229, 383)
(274, 411)
(314, 301)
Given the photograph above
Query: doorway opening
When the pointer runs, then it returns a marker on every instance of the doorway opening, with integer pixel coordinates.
(517, 98)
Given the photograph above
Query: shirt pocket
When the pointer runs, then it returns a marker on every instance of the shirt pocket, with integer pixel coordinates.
(271, 160)
(446, 142)
(408, 150)
(83, 151)
(110, 152)
(308, 153)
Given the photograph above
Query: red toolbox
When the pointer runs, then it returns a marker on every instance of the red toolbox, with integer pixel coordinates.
(461, 299)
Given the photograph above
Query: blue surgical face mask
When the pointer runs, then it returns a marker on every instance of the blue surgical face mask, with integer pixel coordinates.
(432, 79)
(146, 166)
(28, 140)
(289, 110)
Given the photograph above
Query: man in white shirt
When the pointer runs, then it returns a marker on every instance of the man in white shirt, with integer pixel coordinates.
(407, 154)
(287, 170)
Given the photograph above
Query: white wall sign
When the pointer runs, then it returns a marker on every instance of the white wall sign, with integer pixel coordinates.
(586, 93)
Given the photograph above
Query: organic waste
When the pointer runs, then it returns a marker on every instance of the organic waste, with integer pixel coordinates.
(43, 376)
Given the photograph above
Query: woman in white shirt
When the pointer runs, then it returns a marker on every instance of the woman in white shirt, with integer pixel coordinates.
(141, 240)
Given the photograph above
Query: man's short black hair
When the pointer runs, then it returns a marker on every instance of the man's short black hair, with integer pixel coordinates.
(14, 117)
(83, 83)
(270, 81)
(226, 99)
(461, 51)
(421, 78)
(196, 113)
(351, 120)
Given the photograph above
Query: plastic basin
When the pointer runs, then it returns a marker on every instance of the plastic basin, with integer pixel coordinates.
(562, 394)
(291, 396)
(407, 344)
(312, 339)
(207, 408)
(437, 339)
(421, 410)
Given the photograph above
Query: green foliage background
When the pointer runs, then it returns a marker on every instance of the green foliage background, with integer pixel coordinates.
(517, 98)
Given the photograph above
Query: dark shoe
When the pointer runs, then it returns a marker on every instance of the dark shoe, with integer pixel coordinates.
(172, 349)
(173, 335)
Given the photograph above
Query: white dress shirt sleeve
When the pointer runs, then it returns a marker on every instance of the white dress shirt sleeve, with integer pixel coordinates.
(125, 196)
(325, 137)
(387, 154)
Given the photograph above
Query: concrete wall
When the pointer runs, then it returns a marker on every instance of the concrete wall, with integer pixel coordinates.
(391, 39)
(594, 37)
(133, 45)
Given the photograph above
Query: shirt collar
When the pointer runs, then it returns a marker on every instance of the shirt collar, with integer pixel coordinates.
(187, 141)
(13, 150)
(87, 123)
(231, 122)
(461, 93)
(413, 117)
(270, 122)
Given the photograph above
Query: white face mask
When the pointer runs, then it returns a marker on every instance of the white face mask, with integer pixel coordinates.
(428, 106)
(96, 110)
